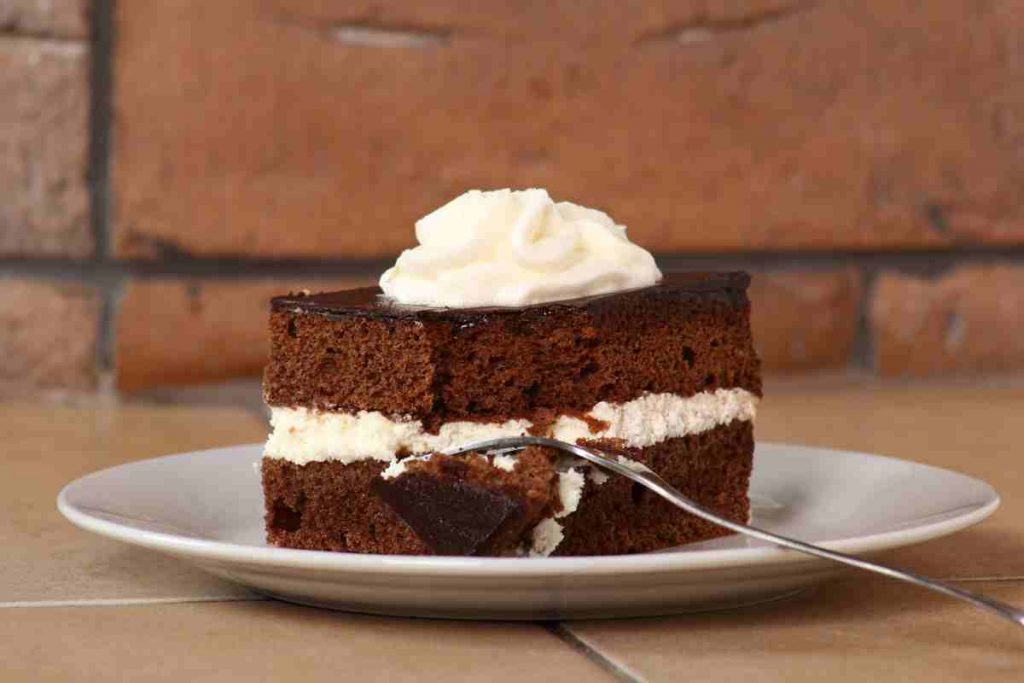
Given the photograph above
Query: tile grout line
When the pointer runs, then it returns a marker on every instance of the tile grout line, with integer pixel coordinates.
(922, 262)
(127, 602)
(259, 411)
(101, 83)
(580, 645)
(862, 356)
(100, 124)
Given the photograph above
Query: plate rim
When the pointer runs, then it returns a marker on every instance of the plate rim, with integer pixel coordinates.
(203, 550)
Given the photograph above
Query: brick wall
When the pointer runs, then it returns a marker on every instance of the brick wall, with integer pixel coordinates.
(166, 165)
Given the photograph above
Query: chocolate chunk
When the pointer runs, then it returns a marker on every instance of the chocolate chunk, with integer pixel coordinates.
(451, 517)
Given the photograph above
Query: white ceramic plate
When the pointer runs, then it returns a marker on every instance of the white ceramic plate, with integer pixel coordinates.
(206, 508)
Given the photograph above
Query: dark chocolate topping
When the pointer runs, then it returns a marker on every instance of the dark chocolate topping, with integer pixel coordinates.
(370, 301)
(451, 517)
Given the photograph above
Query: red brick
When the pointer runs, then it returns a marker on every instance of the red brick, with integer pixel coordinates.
(43, 148)
(58, 18)
(47, 337)
(805, 321)
(178, 332)
(970, 320)
(738, 126)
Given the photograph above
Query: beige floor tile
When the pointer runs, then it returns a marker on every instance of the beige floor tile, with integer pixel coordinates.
(45, 447)
(273, 642)
(977, 431)
(863, 630)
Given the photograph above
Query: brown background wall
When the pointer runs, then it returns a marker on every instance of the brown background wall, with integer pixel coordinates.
(167, 165)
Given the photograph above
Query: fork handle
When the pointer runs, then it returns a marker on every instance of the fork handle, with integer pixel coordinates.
(668, 492)
(641, 474)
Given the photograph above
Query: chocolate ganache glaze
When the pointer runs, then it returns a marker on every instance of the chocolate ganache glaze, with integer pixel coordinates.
(729, 287)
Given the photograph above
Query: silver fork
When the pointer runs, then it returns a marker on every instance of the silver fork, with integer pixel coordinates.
(641, 474)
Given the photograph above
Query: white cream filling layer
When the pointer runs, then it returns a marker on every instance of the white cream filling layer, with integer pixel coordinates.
(548, 533)
(546, 537)
(300, 435)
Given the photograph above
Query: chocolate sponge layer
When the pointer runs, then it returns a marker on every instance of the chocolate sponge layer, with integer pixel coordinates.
(352, 351)
(330, 506)
(620, 516)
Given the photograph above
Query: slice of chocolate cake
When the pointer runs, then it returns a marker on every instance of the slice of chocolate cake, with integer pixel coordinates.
(661, 369)
(666, 372)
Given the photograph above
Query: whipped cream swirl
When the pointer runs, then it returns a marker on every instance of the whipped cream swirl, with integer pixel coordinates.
(515, 248)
